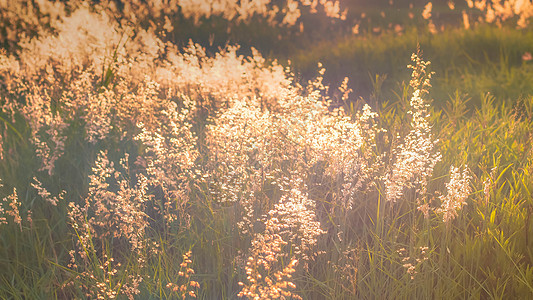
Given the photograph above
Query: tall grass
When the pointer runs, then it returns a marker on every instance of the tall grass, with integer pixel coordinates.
(133, 168)
(472, 62)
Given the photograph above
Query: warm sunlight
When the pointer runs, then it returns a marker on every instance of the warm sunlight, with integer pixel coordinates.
(266, 149)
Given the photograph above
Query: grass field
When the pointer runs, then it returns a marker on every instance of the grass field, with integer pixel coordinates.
(152, 151)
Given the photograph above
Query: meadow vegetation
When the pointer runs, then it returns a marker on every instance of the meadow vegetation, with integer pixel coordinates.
(170, 149)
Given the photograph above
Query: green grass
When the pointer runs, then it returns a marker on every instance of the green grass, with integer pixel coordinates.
(486, 59)
(482, 117)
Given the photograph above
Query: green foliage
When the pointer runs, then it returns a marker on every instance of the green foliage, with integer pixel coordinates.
(374, 248)
(473, 62)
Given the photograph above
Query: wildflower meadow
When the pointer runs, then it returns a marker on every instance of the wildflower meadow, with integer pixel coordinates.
(264, 149)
